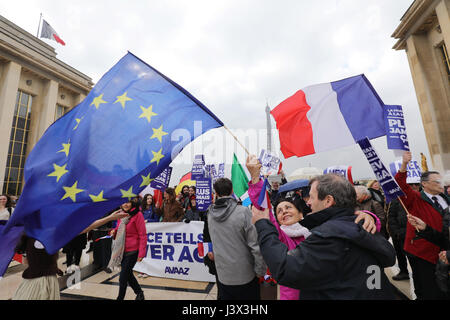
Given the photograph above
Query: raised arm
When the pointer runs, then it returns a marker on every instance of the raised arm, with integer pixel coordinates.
(116, 215)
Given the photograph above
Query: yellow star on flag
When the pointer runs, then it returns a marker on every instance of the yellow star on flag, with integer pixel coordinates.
(158, 133)
(97, 101)
(157, 156)
(98, 198)
(59, 171)
(123, 99)
(146, 180)
(147, 113)
(78, 120)
(128, 193)
(71, 192)
(66, 148)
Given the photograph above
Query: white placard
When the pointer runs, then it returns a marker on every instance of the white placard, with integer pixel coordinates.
(172, 251)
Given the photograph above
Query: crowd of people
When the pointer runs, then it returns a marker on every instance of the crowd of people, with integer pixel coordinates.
(322, 241)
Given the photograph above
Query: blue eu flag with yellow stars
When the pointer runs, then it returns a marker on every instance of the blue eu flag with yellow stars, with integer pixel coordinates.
(106, 150)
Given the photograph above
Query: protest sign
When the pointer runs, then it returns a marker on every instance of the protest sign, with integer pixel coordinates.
(203, 194)
(345, 171)
(397, 138)
(172, 251)
(162, 181)
(412, 170)
(387, 182)
(221, 171)
(270, 163)
(198, 167)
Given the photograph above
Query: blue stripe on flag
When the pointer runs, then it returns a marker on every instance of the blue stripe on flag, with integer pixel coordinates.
(361, 107)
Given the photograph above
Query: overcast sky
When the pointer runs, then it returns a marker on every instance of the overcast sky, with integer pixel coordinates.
(235, 56)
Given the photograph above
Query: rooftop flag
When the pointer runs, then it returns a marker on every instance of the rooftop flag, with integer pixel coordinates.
(48, 32)
(106, 150)
(328, 116)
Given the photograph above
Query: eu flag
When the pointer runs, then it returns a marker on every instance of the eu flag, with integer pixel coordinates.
(106, 150)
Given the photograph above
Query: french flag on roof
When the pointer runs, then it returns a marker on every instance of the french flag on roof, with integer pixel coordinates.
(327, 116)
(264, 200)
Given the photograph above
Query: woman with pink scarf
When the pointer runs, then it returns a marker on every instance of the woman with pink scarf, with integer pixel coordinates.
(288, 214)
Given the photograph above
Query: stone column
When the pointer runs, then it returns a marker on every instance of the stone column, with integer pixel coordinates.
(433, 100)
(443, 15)
(9, 85)
(46, 114)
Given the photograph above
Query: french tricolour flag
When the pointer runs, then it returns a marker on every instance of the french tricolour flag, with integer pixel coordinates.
(204, 248)
(327, 116)
(264, 200)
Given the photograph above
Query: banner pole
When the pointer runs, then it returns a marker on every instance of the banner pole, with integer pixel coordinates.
(407, 212)
(235, 138)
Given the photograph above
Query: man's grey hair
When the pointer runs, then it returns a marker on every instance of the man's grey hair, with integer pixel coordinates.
(426, 175)
(363, 190)
(338, 187)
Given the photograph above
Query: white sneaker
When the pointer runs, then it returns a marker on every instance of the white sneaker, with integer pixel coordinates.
(69, 269)
(143, 275)
(139, 275)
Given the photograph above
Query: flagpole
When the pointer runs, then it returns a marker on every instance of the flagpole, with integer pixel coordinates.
(235, 138)
(406, 210)
(39, 25)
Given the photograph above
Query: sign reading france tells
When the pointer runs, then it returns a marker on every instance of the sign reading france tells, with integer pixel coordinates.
(172, 251)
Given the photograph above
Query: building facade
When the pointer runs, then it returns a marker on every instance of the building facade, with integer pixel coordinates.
(35, 90)
(424, 33)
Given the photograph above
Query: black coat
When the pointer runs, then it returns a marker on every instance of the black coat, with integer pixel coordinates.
(337, 261)
(397, 220)
(442, 239)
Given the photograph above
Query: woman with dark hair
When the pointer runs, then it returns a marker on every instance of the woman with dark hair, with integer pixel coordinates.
(287, 214)
(149, 210)
(5, 207)
(129, 247)
(172, 211)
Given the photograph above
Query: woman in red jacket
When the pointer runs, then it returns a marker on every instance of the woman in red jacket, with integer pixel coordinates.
(129, 247)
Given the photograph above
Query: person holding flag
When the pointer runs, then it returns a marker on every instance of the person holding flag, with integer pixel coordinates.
(40, 277)
(337, 259)
(103, 152)
(286, 216)
(428, 206)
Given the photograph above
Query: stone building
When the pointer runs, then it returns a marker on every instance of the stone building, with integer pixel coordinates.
(35, 90)
(424, 33)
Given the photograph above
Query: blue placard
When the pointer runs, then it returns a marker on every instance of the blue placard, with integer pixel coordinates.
(162, 181)
(397, 138)
(198, 167)
(203, 193)
(387, 182)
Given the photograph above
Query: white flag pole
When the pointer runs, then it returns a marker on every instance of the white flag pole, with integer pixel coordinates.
(39, 25)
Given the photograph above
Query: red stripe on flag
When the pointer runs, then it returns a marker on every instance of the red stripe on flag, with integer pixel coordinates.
(201, 251)
(18, 257)
(349, 174)
(58, 39)
(187, 176)
(294, 128)
(158, 198)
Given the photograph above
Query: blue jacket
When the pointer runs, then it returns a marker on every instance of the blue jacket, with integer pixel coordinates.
(150, 215)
